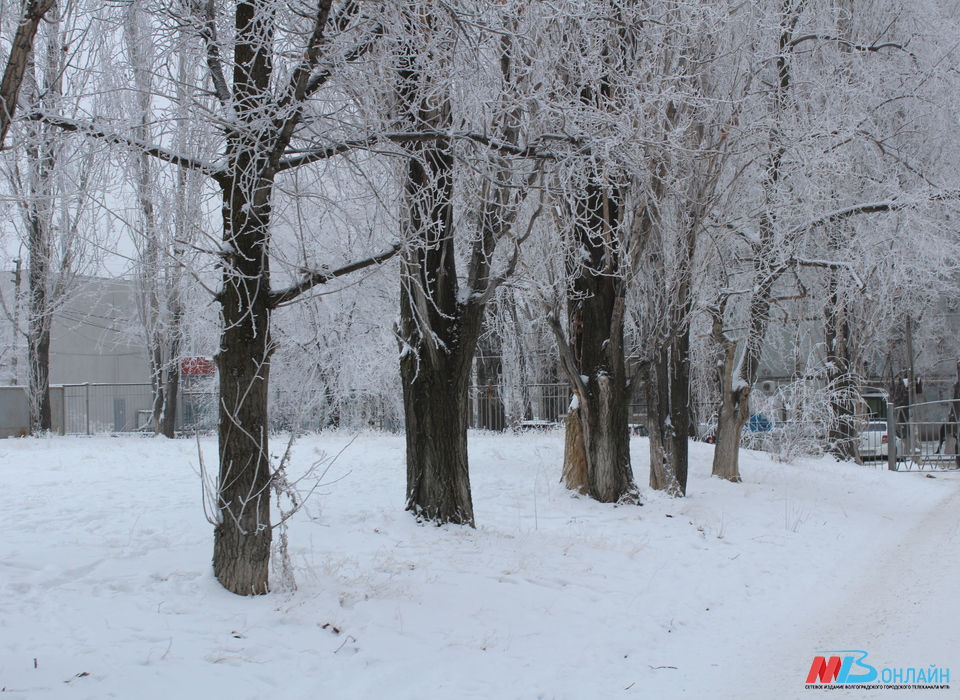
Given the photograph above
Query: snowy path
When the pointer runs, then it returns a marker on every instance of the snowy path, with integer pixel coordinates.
(901, 608)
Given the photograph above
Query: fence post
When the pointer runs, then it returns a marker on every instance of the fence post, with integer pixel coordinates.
(891, 437)
(88, 407)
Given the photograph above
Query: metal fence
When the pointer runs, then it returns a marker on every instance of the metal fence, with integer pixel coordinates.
(89, 409)
(499, 407)
(927, 436)
(503, 407)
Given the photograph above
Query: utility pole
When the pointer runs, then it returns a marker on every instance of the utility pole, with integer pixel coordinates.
(17, 274)
(911, 391)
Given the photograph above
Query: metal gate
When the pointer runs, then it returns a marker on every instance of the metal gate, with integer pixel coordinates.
(927, 436)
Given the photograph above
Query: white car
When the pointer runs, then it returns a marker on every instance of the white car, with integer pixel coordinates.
(874, 441)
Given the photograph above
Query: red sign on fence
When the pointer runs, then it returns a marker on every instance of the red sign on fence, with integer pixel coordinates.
(197, 365)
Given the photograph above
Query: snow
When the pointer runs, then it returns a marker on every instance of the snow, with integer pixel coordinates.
(728, 593)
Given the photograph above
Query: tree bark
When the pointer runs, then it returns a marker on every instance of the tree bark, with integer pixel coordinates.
(241, 551)
(668, 398)
(595, 362)
(575, 474)
(42, 152)
(840, 377)
(241, 548)
(435, 408)
(438, 333)
(19, 60)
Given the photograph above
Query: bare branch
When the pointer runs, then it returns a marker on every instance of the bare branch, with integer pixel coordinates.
(407, 137)
(208, 33)
(847, 43)
(20, 52)
(312, 279)
(94, 131)
(498, 281)
(832, 265)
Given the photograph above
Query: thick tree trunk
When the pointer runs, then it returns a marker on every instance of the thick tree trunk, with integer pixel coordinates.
(241, 552)
(595, 362)
(439, 334)
(607, 438)
(438, 330)
(733, 415)
(435, 408)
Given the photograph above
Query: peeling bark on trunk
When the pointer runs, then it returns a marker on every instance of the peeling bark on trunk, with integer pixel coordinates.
(575, 476)
(593, 359)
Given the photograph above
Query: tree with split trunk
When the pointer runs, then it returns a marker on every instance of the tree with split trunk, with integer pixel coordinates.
(631, 77)
(442, 311)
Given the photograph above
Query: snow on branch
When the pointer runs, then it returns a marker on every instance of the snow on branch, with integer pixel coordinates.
(855, 210)
(19, 59)
(873, 48)
(312, 279)
(94, 131)
(833, 265)
(407, 137)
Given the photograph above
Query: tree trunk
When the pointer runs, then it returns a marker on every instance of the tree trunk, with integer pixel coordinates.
(734, 408)
(42, 152)
(171, 396)
(435, 408)
(594, 360)
(840, 376)
(439, 334)
(733, 415)
(38, 278)
(668, 393)
(241, 551)
(575, 475)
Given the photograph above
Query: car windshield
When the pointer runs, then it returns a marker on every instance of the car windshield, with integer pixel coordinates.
(877, 426)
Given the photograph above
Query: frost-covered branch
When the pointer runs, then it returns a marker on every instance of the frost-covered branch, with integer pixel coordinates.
(20, 52)
(312, 279)
(98, 132)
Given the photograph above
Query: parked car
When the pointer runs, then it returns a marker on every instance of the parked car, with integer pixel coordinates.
(757, 423)
(874, 441)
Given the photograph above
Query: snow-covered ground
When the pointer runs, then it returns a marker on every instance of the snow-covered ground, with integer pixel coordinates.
(106, 589)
